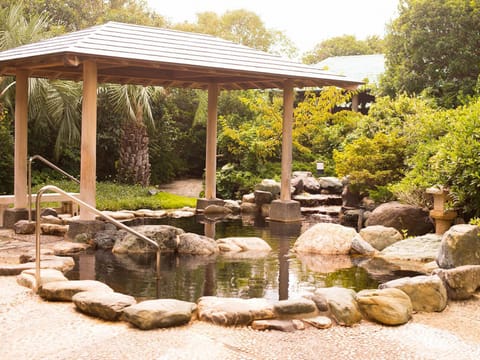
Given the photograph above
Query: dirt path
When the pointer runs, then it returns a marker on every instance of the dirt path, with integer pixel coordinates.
(185, 187)
(35, 329)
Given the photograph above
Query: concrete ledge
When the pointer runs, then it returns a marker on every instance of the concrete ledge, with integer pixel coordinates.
(11, 216)
(285, 211)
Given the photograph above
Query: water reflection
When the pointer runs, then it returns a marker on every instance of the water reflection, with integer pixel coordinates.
(276, 275)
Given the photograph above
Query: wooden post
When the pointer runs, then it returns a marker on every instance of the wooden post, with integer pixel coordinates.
(88, 142)
(355, 102)
(211, 153)
(21, 140)
(287, 141)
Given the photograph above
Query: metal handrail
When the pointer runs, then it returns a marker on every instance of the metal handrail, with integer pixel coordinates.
(54, 167)
(92, 209)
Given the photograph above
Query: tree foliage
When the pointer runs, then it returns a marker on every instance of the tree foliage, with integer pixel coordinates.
(72, 15)
(243, 27)
(343, 46)
(433, 48)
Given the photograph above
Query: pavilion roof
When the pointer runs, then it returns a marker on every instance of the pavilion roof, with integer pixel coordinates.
(134, 54)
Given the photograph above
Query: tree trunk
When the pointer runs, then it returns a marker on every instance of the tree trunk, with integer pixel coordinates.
(134, 163)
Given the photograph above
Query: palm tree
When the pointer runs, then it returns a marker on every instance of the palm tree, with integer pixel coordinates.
(132, 104)
(54, 106)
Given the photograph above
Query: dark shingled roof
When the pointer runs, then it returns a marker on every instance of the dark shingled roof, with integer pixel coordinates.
(133, 54)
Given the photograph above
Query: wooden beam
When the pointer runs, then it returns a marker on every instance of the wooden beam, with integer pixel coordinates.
(287, 130)
(21, 141)
(211, 153)
(88, 142)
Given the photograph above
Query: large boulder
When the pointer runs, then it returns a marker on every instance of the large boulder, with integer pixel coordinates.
(341, 304)
(386, 306)
(164, 235)
(161, 313)
(233, 311)
(104, 305)
(427, 293)
(380, 236)
(461, 282)
(325, 238)
(460, 246)
(194, 244)
(405, 218)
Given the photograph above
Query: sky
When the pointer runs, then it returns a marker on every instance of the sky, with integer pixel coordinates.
(305, 22)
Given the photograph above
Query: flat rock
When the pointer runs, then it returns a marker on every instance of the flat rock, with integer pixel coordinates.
(421, 248)
(238, 244)
(104, 305)
(68, 247)
(386, 306)
(119, 215)
(320, 322)
(27, 277)
(177, 214)
(461, 282)
(294, 307)
(216, 210)
(150, 213)
(234, 311)
(64, 290)
(54, 229)
(279, 325)
(51, 219)
(427, 293)
(61, 263)
(342, 305)
(380, 236)
(161, 313)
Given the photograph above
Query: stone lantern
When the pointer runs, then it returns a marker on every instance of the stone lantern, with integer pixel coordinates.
(442, 216)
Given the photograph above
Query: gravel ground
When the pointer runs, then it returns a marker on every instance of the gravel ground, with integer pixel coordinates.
(33, 329)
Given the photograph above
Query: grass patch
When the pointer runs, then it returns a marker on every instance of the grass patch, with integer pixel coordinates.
(112, 196)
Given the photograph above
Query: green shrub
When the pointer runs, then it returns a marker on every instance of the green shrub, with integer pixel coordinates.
(233, 183)
(6, 155)
(371, 163)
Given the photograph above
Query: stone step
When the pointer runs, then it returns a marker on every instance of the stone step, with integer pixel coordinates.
(331, 210)
(315, 200)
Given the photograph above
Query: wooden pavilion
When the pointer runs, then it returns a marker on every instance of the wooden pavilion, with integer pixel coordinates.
(132, 54)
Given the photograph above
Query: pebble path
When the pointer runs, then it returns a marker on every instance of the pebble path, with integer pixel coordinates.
(35, 329)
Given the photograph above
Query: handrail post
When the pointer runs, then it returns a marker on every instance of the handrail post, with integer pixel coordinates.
(54, 167)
